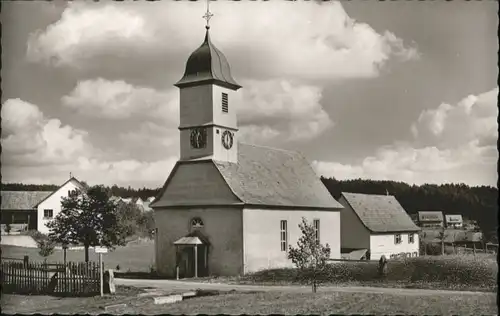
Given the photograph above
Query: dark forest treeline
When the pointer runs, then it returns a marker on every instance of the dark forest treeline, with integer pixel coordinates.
(477, 203)
(143, 193)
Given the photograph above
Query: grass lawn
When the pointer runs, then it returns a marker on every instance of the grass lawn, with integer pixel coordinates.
(45, 304)
(134, 257)
(323, 303)
(374, 283)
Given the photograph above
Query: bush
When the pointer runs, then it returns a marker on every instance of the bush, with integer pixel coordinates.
(37, 236)
(453, 271)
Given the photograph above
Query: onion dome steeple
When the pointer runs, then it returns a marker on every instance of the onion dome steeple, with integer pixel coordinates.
(207, 64)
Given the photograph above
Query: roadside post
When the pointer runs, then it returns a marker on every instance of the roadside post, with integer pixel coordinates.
(100, 251)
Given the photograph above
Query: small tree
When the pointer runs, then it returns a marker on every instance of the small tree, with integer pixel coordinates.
(46, 247)
(310, 256)
(88, 218)
(441, 237)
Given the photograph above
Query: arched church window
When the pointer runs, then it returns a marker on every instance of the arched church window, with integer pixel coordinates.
(196, 223)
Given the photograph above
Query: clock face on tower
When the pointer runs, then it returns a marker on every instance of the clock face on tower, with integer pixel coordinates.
(227, 139)
(198, 137)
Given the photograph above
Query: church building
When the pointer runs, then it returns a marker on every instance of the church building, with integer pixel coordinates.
(229, 208)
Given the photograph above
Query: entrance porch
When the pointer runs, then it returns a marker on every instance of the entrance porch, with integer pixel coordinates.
(192, 256)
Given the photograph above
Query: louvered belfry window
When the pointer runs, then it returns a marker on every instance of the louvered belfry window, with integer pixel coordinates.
(225, 103)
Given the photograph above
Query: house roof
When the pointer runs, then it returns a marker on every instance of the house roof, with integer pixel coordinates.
(430, 216)
(453, 218)
(274, 177)
(188, 241)
(355, 254)
(81, 185)
(22, 200)
(380, 213)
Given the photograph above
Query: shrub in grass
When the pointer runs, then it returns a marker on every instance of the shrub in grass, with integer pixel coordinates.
(36, 235)
(454, 271)
(275, 275)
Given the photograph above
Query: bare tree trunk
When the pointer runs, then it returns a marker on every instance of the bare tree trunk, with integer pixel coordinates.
(65, 248)
(86, 253)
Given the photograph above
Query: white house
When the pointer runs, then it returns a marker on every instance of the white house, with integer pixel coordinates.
(27, 210)
(229, 208)
(453, 221)
(50, 206)
(378, 224)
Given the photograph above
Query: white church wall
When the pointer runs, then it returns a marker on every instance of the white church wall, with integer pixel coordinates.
(261, 235)
(222, 227)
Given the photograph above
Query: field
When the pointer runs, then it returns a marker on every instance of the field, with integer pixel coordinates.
(290, 303)
(327, 303)
(45, 304)
(265, 303)
(136, 256)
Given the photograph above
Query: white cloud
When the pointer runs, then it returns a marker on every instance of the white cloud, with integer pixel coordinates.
(150, 135)
(469, 164)
(474, 118)
(275, 109)
(36, 149)
(313, 41)
(84, 31)
(29, 138)
(120, 100)
(453, 143)
(267, 110)
(126, 172)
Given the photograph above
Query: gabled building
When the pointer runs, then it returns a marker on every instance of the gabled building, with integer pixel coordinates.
(453, 221)
(34, 209)
(229, 208)
(19, 209)
(377, 224)
(429, 219)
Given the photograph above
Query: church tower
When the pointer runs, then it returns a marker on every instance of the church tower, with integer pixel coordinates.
(208, 125)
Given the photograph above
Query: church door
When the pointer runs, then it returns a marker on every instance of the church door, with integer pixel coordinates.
(187, 265)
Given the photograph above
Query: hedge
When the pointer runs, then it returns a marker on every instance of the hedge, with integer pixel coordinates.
(454, 270)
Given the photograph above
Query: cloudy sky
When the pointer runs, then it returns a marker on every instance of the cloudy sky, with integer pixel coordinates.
(399, 90)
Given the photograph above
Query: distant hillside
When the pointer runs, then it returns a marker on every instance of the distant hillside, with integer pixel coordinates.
(477, 203)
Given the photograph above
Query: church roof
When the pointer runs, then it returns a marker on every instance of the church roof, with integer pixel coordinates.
(262, 177)
(380, 213)
(274, 177)
(207, 64)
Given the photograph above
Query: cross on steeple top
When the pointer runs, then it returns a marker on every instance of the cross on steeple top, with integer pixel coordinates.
(208, 15)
